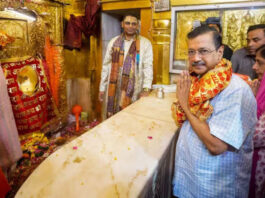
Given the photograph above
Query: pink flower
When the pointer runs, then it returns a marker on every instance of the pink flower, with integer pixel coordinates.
(75, 147)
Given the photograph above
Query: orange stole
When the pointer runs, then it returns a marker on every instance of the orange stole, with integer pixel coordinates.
(202, 90)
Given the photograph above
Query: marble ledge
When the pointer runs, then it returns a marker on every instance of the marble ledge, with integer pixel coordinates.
(153, 107)
(114, 159)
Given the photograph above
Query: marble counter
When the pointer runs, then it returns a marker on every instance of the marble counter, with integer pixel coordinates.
(115, 159)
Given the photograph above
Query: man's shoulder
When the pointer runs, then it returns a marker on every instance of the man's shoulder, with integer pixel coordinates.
(237, 81)
(237, 92)
(240, 52)
(238, 85)
(114, 38)
(144, 39)
(110, 43)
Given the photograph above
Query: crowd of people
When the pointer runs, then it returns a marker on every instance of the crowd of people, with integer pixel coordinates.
(220, 150)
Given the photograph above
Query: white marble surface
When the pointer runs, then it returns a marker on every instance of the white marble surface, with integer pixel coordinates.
(114, 159)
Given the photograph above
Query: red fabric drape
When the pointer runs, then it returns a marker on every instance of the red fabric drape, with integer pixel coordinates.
(4, 186)
(87, 24)
(36, 112)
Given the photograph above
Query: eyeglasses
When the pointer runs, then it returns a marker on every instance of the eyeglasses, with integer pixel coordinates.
(130, 23)
(201, 52)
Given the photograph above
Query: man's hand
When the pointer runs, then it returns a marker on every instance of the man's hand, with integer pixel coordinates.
(183, 90)
(145, 92)
(255, 86)
(201, 128)
(101, 96)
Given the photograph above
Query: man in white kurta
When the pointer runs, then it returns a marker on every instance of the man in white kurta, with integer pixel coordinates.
(143, 71)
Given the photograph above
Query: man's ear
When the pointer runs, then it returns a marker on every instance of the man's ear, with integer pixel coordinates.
(122, 24)
(221, 51)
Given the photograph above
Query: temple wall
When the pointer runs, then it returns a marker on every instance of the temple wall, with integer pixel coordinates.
(84, 63)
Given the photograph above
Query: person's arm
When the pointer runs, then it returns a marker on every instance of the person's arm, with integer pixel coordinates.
(259, 135)
(105, 71)
(201, 128)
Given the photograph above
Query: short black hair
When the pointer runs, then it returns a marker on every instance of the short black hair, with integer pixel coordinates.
(261, 50)
(131, 15)
(217, 38)
(255, 27)
(220, 27)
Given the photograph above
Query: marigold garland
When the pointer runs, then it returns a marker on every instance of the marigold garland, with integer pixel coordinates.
(202, 90)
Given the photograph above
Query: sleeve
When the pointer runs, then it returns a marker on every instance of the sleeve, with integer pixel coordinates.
(259, 135)
(148, 65)
(234, 60)
(234, 117)
(106, 67)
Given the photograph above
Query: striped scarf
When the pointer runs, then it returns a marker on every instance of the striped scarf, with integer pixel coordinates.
(122, 76)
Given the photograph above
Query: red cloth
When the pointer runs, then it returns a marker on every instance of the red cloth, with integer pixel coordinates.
(32, 113)
(4, 186)
(87, 24)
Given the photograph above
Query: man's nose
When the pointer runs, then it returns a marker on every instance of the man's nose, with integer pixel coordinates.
(250, 43)
(197, 56)
(255, 66)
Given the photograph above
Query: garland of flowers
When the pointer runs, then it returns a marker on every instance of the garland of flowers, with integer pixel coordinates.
(202, 90)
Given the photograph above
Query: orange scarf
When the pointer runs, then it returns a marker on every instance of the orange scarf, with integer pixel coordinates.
(203, 90)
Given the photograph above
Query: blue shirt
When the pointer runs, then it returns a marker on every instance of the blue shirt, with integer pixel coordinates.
(200, 174)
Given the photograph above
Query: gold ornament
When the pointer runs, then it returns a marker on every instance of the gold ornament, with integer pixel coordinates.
(28, 80)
